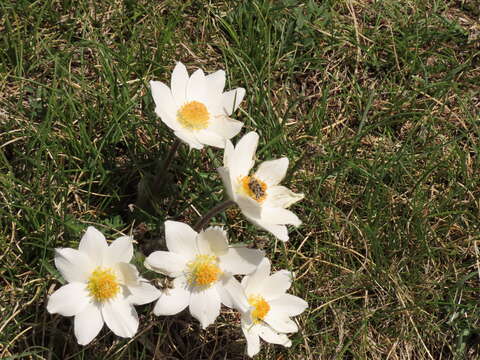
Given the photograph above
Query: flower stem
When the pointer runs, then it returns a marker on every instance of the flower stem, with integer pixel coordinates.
(161, 176)
(211, 213)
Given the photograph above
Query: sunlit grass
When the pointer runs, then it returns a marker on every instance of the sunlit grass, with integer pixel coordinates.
(374, 103)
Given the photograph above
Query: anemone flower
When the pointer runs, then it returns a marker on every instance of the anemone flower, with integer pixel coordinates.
(196, 108)
(265, 306)
(260, 197)
(102, 286)
(199, 262)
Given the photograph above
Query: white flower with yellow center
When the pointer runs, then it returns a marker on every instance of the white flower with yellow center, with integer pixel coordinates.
(265, 306)
(196, 108)
(102, 286)
(199, 262)
(260, 197)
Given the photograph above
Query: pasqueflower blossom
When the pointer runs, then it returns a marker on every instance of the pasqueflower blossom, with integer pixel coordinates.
(196, 108)
(260, 197)
(265, 306)
(199, 262)
(102, 286)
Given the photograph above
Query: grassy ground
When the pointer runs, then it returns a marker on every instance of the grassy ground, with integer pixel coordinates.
(376, 103)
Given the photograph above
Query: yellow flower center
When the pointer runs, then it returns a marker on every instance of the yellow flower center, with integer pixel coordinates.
(193, 115)
(204, 270)
(261, 307)
(254, 188)
(103, 284)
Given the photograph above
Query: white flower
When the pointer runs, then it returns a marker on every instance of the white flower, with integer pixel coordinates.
(265, 306)
(102, 286)
(199, 262)
(259, 196)
(196, 108)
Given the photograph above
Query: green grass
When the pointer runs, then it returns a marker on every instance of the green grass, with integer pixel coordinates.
(376, 104)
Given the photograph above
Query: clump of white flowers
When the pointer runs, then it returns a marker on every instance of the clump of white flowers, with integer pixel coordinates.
(103, 286)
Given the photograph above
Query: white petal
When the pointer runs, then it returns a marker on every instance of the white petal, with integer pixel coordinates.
(241, 260)
(224, 295)
(224, 126)
(235, 294)
(277, 284)
(181, 239)
(280, 231)
(225, 176)
(74, 265)
(211, 138)
(228, 154)
(288, 304)
(280, 196)
(172, 301)
(188, 138)
(120, 250)
(253, 283)
(179, 84)
(250, 208)
(241, 161)
(197, 87)
(205, 305)
(279, 216)
(120, 316)
(232, 99)
(127, 274)
(280, 322)
(166, 107)
(253, 340)
(271, 336)
(213, 240)
(216, 82)
(93, 244)
(143, 293)
(166, 262)
(272, 171)
(69, 300)
(88, 324)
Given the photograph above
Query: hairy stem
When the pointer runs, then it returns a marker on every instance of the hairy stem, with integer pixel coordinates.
(159, 180)
(211, 213)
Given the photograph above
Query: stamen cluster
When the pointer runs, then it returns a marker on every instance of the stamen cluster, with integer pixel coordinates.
(204, 270)
(103, 284)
